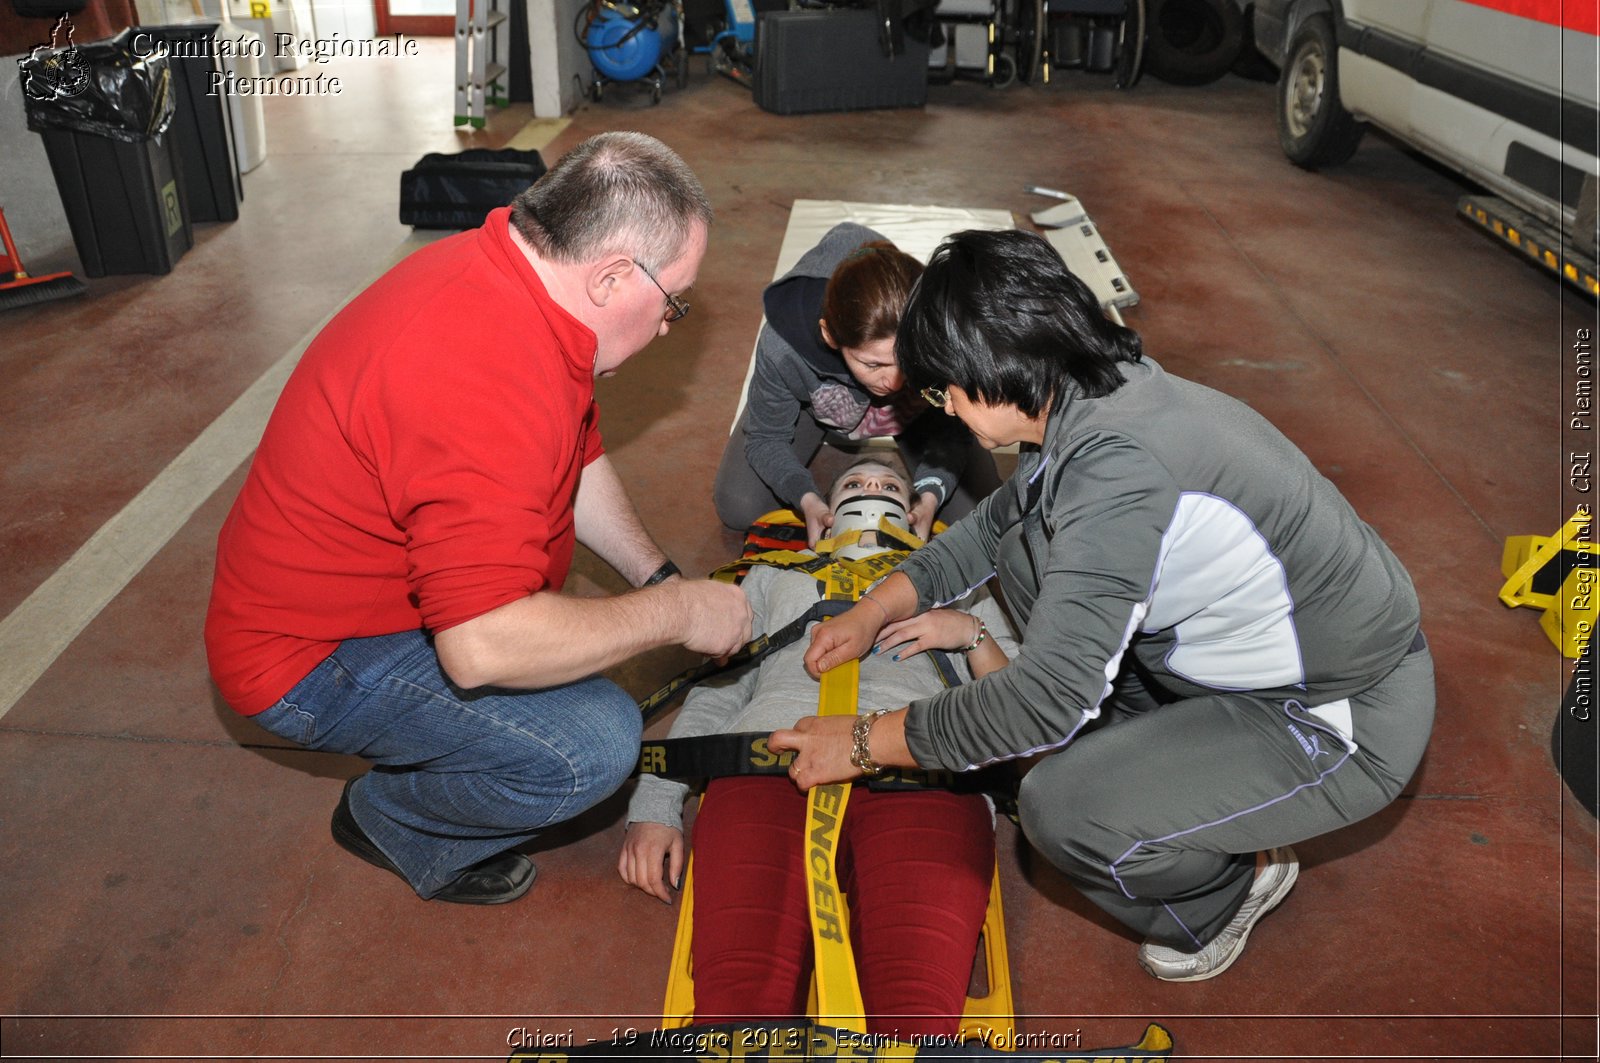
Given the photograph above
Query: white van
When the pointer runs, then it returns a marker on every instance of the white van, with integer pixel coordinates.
(1502, 91)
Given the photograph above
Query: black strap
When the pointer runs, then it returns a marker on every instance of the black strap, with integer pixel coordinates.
(945, 668)
(666, 571)
(712, 756)
(719, 755)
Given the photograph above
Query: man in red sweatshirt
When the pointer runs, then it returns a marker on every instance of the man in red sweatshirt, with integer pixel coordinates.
(387, 582)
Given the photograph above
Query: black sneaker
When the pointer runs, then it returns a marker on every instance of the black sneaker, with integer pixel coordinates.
(493, 881)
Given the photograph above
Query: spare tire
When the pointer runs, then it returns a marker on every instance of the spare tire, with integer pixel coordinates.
(1192, 42)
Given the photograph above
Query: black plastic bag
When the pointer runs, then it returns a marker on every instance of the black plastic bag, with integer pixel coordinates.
(106, 88)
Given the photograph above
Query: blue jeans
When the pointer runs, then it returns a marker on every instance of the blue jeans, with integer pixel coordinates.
(460, 776)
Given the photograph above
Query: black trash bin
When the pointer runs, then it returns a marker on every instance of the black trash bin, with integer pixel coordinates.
(104, 112)
(208, 169)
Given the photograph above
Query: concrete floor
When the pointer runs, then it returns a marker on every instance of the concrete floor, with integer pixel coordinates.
(169, 885)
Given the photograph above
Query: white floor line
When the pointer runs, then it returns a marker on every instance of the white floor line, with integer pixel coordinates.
(49, 619)
(45, 624)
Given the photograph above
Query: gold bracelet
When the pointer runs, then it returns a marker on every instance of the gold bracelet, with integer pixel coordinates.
(860, 755)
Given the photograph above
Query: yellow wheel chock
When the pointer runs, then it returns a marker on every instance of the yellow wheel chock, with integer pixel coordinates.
(1572, 606)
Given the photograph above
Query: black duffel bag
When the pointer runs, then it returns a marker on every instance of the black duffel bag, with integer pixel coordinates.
(458, 191)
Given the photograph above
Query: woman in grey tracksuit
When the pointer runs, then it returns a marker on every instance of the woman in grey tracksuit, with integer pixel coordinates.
(825, 362)
(1219, 658)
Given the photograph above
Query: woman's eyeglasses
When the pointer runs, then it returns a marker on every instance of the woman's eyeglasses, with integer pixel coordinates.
(936, 397)
(676, 307)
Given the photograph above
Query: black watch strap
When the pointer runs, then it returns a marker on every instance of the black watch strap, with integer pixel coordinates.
(666, 570)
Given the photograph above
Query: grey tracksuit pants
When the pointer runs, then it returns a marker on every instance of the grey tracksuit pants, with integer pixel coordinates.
(1156, 815)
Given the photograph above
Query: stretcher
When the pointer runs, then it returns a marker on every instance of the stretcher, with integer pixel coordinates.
(835, 998)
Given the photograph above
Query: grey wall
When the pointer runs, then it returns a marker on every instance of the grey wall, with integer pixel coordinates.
(27, 187)
(560, 64)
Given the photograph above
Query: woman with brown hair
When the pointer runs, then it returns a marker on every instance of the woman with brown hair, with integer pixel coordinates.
(825, 362)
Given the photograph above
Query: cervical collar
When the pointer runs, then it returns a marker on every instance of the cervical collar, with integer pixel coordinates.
(863, 513)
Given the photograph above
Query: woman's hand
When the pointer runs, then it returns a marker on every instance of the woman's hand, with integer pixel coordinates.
(822, 746)
(923, 510)
(818, 517)
(649, 846)
(937, 629)
(846, 637)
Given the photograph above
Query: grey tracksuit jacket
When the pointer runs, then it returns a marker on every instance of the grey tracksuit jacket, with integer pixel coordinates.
(1173, 525)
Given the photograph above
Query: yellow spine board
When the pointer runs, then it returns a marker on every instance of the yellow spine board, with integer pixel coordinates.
(993, 1014)
(678, 1008)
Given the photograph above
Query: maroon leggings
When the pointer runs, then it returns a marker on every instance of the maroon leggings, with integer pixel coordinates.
(916, 866)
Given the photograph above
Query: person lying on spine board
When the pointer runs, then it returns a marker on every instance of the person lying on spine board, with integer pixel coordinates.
(916, 865)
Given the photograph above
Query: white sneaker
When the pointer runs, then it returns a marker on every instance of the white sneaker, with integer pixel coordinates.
(1273, 882)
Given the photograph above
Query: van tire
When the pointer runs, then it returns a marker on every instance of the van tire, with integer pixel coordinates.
(1192, 42)
(1313, 127)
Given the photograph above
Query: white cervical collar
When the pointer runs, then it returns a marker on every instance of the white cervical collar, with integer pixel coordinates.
(863, 513)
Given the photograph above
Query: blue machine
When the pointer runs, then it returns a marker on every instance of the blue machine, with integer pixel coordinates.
(732, 51)
(631, 42)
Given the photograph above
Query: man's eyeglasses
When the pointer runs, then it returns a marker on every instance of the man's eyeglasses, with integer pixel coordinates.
(676, 307)
(936, 397)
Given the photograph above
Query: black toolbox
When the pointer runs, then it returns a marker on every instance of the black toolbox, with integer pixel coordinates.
(833, 60)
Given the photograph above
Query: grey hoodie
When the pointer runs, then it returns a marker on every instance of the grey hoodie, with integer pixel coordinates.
(792, 364)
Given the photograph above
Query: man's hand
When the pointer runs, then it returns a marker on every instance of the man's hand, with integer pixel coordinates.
(818, 517)
(923, 510)
(646, 849)
(716, 615)
(846, 637)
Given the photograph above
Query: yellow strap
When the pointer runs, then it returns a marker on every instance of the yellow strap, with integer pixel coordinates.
(867, 570)
(788, 559)
(870, 570)
(838, 987)
(887, 532)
